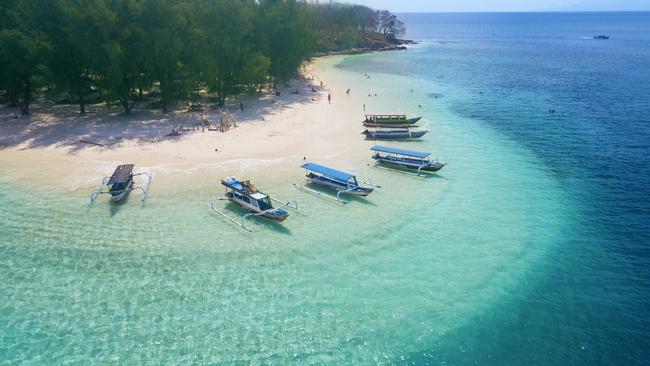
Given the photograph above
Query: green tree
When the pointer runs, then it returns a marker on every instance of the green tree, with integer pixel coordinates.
(166, 28)
(121, 49)
(389, 25)
(79, 52)
(23, 48)
(222, 48)
(285, 35)
(125, 69)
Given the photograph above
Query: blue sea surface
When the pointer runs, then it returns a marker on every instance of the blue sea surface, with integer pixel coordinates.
(583, 107)
(529, 248)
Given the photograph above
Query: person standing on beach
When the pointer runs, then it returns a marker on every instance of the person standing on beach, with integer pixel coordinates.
(364, 107)
(241, 106)
(329, 98)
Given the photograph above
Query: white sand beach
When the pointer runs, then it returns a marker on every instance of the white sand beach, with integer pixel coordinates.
(272, 137)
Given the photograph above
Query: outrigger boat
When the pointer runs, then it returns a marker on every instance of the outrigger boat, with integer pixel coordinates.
(344, 183)
(408, 159)
(388, 125)
(400, 134)
(121, 183)
(390, 119)
(256, 202)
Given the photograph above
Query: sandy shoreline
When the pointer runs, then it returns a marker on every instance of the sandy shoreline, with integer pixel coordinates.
(270, 141)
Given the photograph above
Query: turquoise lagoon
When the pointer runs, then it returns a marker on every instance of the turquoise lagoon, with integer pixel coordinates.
(370, 282)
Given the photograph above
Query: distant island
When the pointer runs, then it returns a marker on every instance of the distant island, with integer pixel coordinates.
(161, 53)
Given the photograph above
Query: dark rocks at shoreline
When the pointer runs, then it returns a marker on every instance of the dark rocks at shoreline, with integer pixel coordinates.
(395, 45)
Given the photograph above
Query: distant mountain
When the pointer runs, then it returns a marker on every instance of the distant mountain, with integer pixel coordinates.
(607, 5)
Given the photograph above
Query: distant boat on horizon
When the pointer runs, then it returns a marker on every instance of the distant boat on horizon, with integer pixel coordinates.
(601, 36)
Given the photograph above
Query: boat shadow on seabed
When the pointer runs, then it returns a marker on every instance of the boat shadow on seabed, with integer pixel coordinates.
(347, 197)
(269, 224)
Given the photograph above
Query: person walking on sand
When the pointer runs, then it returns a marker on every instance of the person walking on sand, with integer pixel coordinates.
(364, 107)
(329, 98)
(347, 92)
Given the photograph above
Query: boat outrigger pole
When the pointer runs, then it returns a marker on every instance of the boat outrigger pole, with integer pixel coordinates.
(242, 223)
(303, 188)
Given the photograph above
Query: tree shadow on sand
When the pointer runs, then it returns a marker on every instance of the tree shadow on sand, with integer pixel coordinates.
(61, 126)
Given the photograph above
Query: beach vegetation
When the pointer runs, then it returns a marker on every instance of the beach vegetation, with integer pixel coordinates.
(164, 52)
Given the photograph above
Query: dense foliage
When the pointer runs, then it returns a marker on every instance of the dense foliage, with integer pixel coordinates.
(343, 27)
(123, 51)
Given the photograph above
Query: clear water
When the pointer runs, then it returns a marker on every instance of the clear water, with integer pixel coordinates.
(530, 247)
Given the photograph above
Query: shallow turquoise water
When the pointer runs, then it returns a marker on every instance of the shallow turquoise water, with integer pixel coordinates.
(371, 282)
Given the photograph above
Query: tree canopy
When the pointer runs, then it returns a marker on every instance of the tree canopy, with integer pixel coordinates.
(121, 51)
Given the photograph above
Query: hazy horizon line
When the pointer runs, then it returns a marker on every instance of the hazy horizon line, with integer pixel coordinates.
(517, 11)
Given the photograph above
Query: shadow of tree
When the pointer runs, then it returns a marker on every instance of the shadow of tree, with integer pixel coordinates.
(55, 125)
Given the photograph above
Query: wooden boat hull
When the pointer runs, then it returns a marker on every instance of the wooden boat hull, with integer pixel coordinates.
(414, 120)
(402, 122)
(427, 168)
(433, 168)
(358, 191)
(389, 125)
(122, 194)
(393, 135)
(410, 164)
(274, 215)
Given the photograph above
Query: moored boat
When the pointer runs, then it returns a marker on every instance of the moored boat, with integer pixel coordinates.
(342, 182)
(398, 134)
(388, 125)
(408, 159)
(336, 179)
(246, 195)
(121, 183)
(390, 119)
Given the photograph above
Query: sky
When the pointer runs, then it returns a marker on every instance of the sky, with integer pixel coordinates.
(504, 5)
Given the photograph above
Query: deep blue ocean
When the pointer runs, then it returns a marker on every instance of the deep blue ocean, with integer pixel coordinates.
(583, 107)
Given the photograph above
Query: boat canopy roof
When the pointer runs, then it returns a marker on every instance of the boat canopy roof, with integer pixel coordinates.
(233, 183)
(258, 196)
(336, 174)
(121, 174)
(392, 150)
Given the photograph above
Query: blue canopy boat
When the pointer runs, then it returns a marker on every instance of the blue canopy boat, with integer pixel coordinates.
(120, 184)
(340, 181)
(400, 134)
(409, 159)
(249, 197)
